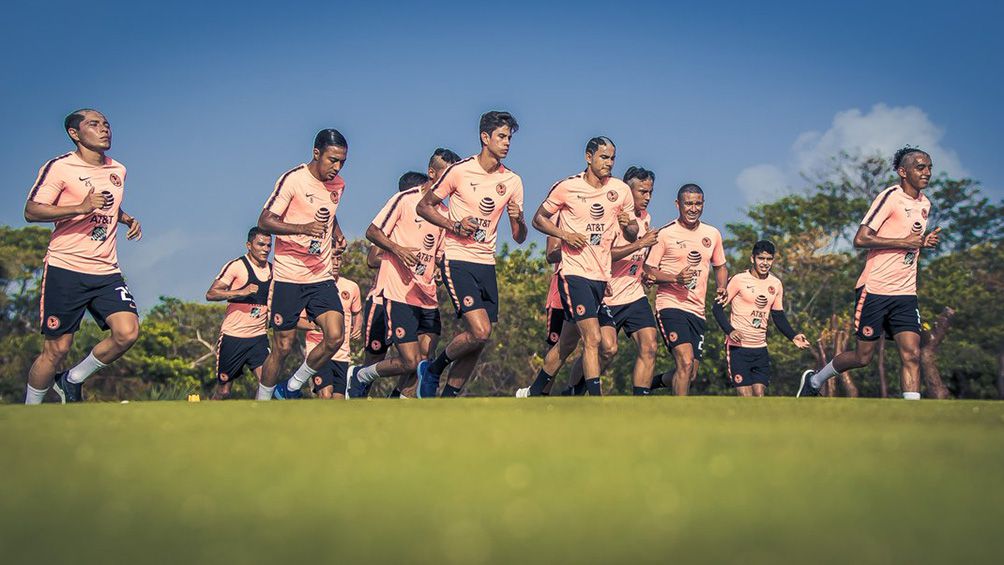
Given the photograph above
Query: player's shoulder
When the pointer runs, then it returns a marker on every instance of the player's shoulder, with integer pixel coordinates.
(112, 163)
(774, 281)
(292, 174)
(619, 185)
(711, 230)
(231, 263)
(460, 166)
(348, 285)
(58, 163)
(885, 193)
(567, 181)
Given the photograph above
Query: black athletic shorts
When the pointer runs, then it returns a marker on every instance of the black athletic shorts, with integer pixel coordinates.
(67, 294)
(878, 314)
(633, 316)
(555, 321)
(375, 332)
(235, 353)
(407, 322)
(288, 300)
(679, 327)
(332, 373)
(747, 365)
(472, 286)
(581, 298)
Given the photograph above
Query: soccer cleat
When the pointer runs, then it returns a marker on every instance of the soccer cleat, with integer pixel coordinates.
(805, 387)
(282, 392)
(523, 392)
(68, 392)
(428, 382)
(355, 388)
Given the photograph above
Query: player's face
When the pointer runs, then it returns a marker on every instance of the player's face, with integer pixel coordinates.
(498, 142)
(601, 161)
(691, 206)
(94, 133)
(641, 190)
(259, 247)
(330, 161)
(336, 268)
(762, 262)
(916, 171)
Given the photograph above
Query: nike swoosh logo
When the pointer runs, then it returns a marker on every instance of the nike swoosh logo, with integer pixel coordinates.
(84, 178)
(309, 195)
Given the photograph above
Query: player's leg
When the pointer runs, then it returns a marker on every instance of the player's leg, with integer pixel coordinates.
(286, 302)
(404, 321)
(65, 295)
(908, 343)
(647, 340)
(686, 368)
(324, 381)
(323, 305)
(283, 342)
(340, 375)
(869, 318)
(429, 330)
(42, 371)
(554, 359)
(759, 389)
(479, 330)
(744, 391)
(589, 328)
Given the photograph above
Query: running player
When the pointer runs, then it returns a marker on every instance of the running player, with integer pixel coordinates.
(81, 192)
(301, 214)
(893, 232)
(331, 381)
(753, 293)
(680, 263)
(407, 281)
(592, 207)
(480, 189)
(244, 284)
(375, 332)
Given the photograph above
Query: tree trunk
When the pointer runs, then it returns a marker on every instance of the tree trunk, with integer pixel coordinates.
(883, 382)
(930, 340)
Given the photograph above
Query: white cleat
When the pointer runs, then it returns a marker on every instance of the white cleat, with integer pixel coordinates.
(523, 392)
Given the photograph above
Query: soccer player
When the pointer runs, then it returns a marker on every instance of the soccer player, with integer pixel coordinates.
(407, 281)
(244, 284)
(375, 333)
(300, 212)
(81, 192)
(893, 231)
(592, 207)
(753, 293)
(480, 189)
(331, 381)
(680, 263)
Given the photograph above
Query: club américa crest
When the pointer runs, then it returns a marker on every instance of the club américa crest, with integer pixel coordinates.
(500, 189)
(115, 180)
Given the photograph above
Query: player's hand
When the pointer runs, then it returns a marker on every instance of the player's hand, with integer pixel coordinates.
(314, 229)
(468, 226)
(648, 240)
(647, 279)
(800, 341)
(248, 290)
(722, 296)
(513, 209)
(736, 338)
(931, 239)
(135, 232)
(340, 245)
(574, 240)
(686, 276)
(623, 219)
(94, 201)
(406, 255)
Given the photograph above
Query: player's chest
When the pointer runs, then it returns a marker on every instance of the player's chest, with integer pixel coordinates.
(757, 294)
(487, 196)
(317, 203)
(105, 182)
(689, 249)
(593, 207)
(910, 216)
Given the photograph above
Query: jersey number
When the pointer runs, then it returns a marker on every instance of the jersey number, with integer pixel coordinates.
(124, 293)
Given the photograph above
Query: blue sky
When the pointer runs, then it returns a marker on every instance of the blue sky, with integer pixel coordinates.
(210, 102)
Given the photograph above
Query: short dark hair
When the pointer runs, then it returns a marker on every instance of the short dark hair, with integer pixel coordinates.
(593, 144)
(447, 156)
(762, 246)
(411, 179)
(640, 173)
(329, 138)
(491, 121)
(689, 187)
(72, 121)
(255, 232)
(897, 159)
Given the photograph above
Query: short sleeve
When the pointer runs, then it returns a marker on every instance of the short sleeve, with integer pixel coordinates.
(388, 216)
(628, 203)
(48, 185)
(556, 199)
(718, 252)
(231, 272)
(447, 184)
(517, 195)
(656, 252)
(778, 298)
(281, 196)
(733, 288)
(878, 213)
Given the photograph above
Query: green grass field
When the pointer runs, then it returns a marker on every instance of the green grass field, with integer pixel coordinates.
(562, 480)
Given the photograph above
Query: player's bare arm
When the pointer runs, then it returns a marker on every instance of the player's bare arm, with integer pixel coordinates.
(553, 251)
(542, 223)
(516, 221)
(271, 223)
(657, 275)
(621, 251)
(629, 226)
(219, 291)
(135, 228)
(373, 257)
(428, 209)
(867, 238)
(721, 283)
(338, 242)
(38, 212)
(380, 240)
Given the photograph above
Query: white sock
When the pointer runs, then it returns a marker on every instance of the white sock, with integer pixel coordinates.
(367, 374)
(911, 396)
(34, 396)
(403, 397)
(84, 369)
(823, 375)
(300, 376)
(264, 392)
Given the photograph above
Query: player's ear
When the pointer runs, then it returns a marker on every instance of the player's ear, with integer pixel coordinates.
(317, 154)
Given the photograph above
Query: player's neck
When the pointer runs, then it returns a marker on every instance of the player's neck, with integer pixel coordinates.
(256, 262)
(593, 180)
(312, 168)
(757, 275)
(488, 161)
(89, 156)
(910, 191)
(683, 224)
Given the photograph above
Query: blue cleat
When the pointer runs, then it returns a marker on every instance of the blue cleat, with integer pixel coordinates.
(282, 392)
(355, 388)
(805, 387)
(68, 392)
(428, 382)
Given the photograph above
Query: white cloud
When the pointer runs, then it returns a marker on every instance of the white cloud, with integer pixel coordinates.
(882, 130)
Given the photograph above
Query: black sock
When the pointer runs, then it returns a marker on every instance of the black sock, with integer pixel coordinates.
(657, 382)
(642, 391)
(394, 394)
(450, 392)
(579, 388)
(568, 391)
(537, 388)
(593, 386)
(440, 363)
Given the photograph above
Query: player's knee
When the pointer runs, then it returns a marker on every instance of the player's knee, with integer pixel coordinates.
(686, 366)
(283, 345)
(608, 350)
(333, 341)
(125, 336)
(591, 340)
(57, 350)
(481, 333)
(648, 348)
(910, 356)
(409, 362)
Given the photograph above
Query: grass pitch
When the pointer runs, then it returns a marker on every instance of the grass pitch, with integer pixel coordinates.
(472, 481)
